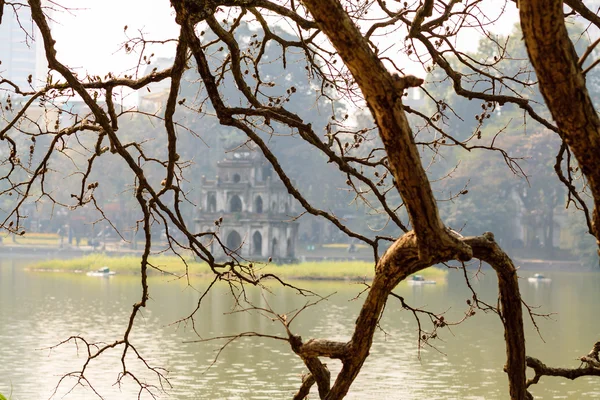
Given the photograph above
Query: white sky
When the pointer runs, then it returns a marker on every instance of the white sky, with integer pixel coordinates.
(90, 34)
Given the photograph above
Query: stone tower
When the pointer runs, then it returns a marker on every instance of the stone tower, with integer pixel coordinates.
(255, 206)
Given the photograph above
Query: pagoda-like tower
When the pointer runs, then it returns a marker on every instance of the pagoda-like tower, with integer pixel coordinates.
(256, 208)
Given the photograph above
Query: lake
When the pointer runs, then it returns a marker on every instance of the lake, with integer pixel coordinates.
(39, 310)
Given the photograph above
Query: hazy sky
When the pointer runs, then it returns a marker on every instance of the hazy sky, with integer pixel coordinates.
(89, 35)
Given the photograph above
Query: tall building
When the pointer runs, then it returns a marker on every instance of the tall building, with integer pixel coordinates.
(255, 207)
(21, 50)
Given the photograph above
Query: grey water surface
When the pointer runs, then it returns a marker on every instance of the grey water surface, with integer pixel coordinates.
(39, 310)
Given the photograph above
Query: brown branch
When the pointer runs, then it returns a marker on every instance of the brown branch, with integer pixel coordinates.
(179, 65)
(542, 369)
(580, 7)
(485, 248)
(308, 381)
(561, 80)
(320, 373)
(568, 182)
(386, 106)
(425, 10)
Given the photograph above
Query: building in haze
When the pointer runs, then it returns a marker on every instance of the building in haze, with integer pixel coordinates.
(21, 50)
(256, 209)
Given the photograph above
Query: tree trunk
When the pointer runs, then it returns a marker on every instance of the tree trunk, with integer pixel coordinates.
(430, 242)
(562, 84)
(383, 94)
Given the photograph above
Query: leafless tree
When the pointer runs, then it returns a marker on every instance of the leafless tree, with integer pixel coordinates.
(353, 51)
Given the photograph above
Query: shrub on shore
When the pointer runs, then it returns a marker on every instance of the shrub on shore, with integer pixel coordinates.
(321, 270)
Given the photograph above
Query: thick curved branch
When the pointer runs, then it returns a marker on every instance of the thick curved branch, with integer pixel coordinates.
(399, 262)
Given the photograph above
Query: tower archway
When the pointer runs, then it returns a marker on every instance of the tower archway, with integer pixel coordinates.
(258, 205)
(257, 244)
(274, 248)
(235, 204)
(289, 252)
(234, 240)
(211, 203)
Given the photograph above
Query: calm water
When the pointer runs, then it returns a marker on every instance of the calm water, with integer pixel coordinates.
(38, 310)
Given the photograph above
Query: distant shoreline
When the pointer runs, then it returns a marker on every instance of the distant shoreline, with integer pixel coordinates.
(328, 270)
(69, 252)
(209, 276)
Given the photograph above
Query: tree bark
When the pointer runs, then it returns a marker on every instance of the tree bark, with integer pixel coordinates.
(383, 94)
(430, 242)
(563, 87)
(511, 312)
(398, 262)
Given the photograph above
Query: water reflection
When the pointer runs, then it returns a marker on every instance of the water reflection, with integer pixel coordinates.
(38, 310)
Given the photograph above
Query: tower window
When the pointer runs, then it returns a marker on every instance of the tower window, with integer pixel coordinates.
(235, 204)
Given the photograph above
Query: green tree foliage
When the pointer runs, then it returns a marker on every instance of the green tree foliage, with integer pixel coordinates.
(516, 189)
